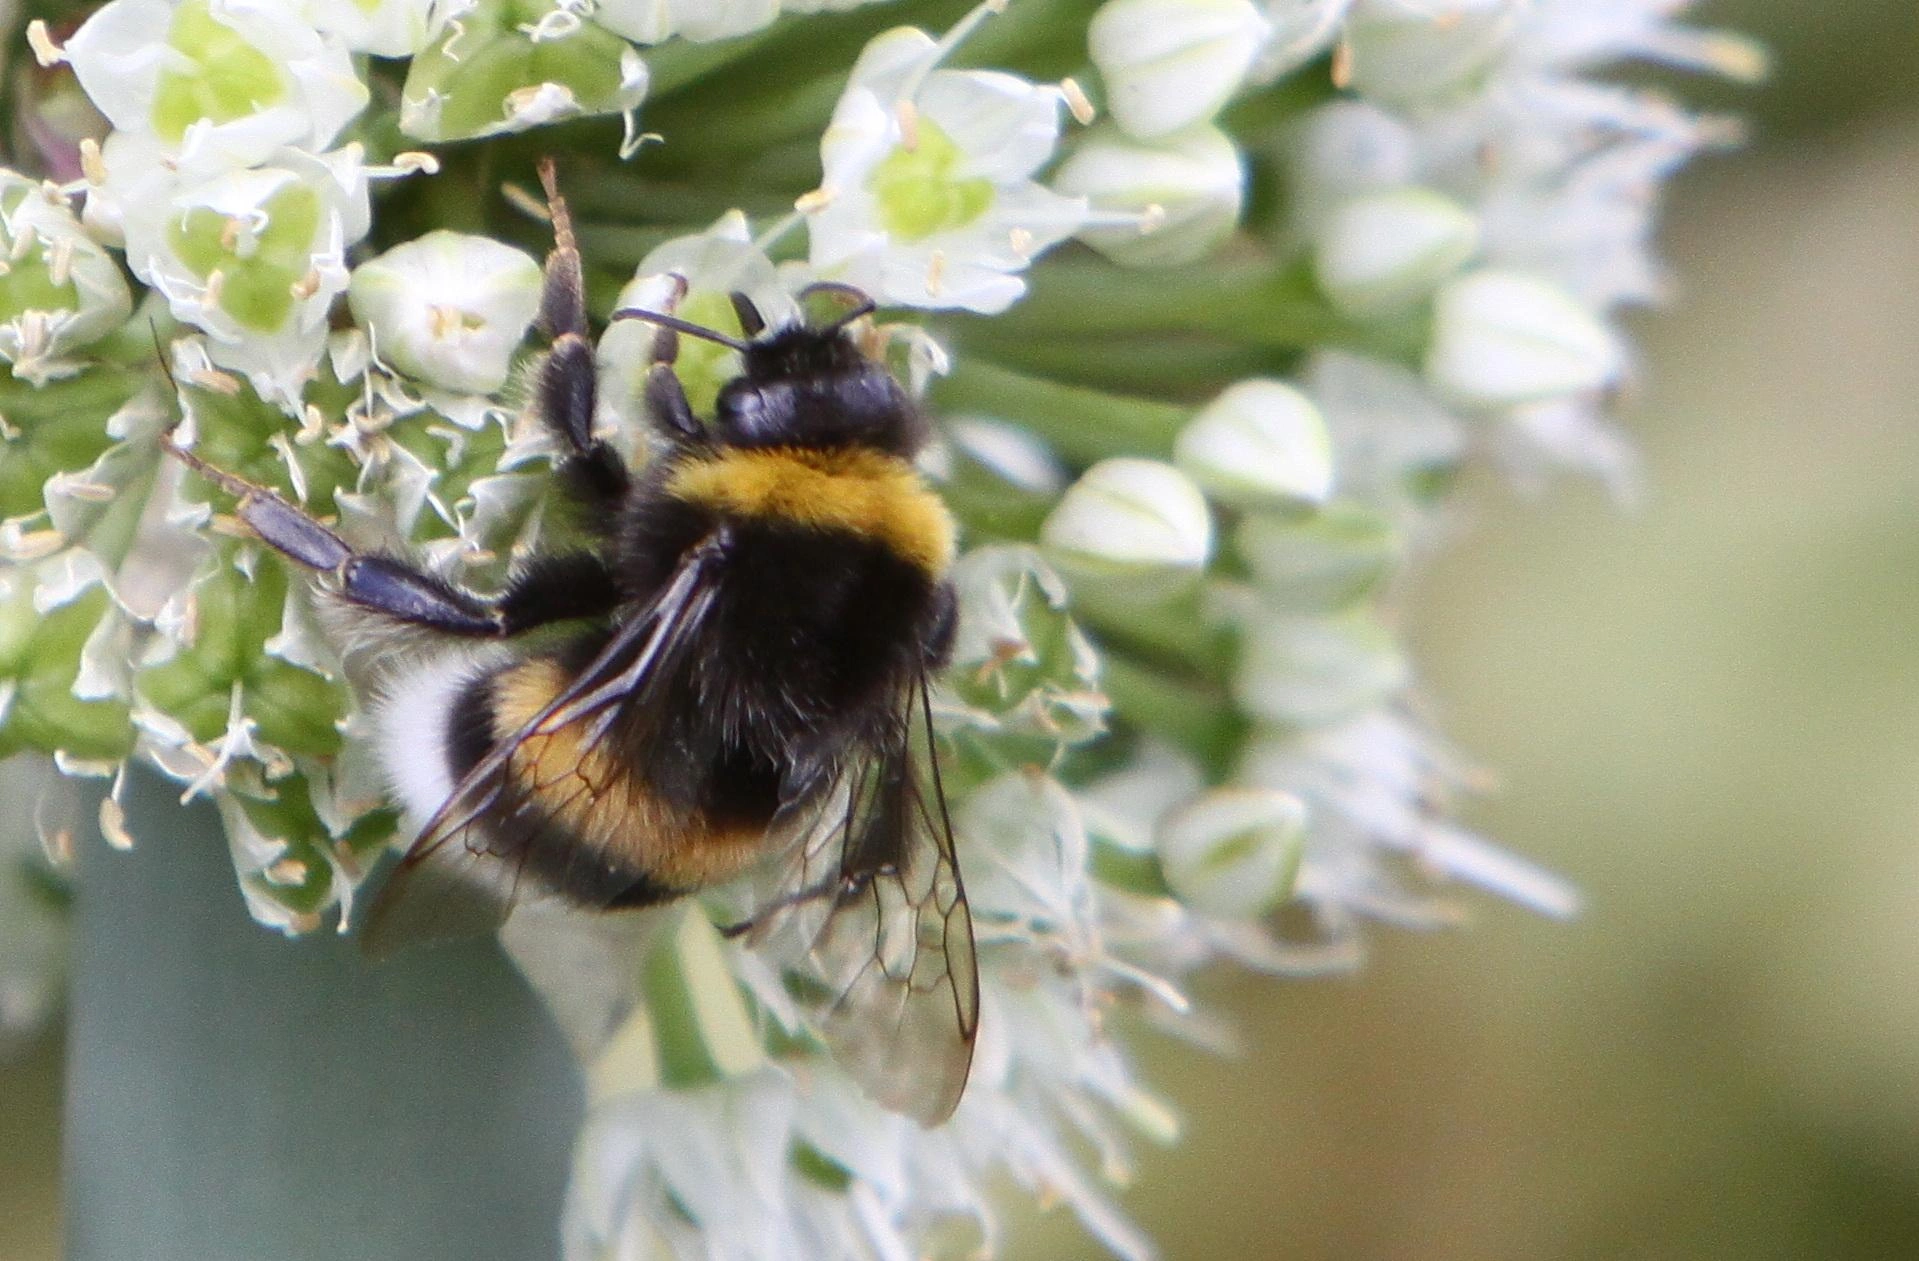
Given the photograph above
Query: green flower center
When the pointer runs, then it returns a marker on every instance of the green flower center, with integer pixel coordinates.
(228, 78)
(260, 271)
(703, 366)
(919, 195)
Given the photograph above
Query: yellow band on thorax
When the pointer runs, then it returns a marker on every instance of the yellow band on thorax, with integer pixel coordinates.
(859, 491)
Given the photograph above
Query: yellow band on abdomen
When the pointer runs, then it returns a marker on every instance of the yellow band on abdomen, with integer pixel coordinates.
(857, 491)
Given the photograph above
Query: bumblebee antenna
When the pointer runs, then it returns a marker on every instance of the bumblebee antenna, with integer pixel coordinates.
(863, 302)
(679, 325)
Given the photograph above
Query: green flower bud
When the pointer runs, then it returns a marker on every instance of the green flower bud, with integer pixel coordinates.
(1130, 527)
(507, 65)
(59, 427)
(1233, 852)
(1261, 443)
(1381, 253)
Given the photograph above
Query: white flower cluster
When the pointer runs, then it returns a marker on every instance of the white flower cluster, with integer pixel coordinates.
(1464, 212)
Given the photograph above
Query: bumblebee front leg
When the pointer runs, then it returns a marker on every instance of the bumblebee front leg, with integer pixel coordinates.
(568, 384)
(553, 589)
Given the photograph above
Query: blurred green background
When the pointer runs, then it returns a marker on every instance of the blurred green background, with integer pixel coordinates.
(1704, 709)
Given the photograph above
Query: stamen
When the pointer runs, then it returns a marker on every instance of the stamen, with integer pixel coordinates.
(1077, 102)
(40, 40)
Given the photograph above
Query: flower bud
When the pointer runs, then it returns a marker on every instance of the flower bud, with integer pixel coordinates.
(1310, 671)
(1259, 444)
(59, 290)
(229, 81)
(1132, 527)
(1233, 853)
(1187, 189)
(448, 309)
(1408, 54)
(1381, 253)
(1168, 64)
(1322, 563)
(1504, 339)
(508, 65)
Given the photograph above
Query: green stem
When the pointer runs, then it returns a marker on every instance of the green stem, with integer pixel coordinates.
(1082, 425)
(1199, 719)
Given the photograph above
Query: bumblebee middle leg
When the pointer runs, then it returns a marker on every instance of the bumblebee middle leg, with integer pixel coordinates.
(551, 589)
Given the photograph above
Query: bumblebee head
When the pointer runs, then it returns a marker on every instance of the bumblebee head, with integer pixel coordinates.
(805, 385)
(815, 388)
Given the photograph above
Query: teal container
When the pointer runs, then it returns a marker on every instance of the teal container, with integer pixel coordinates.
(236, 1096)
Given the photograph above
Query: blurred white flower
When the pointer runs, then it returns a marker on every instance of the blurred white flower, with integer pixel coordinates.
(1502, 339)
(1380, 253)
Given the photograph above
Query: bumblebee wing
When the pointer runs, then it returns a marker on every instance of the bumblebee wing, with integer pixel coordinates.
(877, 901)
(463, 874)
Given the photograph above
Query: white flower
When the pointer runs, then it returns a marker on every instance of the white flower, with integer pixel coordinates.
(448, 309)
(254, 257)
(216, 80)
(59, 290)
(651, 21)
(1168, 64)
(1186, 189)
(1261, 443)
(385, 28)
(692, 277)
(1502, 339)
(1380, 253)
(1130, 525)
(928, 198)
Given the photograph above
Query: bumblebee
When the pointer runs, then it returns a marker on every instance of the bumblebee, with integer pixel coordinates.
(743, 686)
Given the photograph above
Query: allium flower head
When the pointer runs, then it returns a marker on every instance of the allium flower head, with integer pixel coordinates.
(1191, 440)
